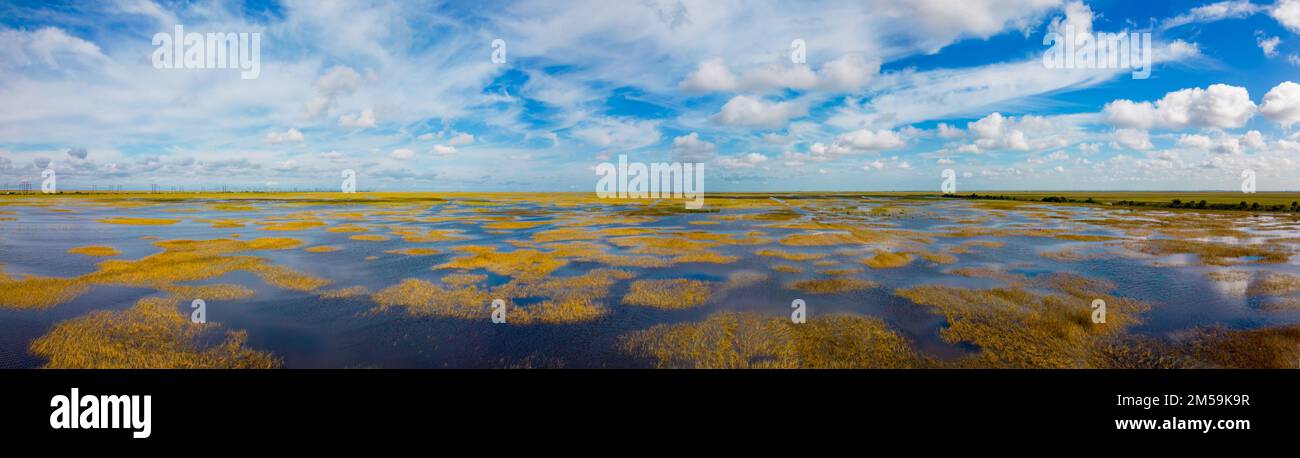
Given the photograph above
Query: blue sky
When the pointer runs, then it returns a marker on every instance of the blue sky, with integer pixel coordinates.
(890, 94)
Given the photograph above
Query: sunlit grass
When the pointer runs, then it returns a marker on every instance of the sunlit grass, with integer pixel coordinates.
(521, 263)
(678, 293)
(95, 250)
(415, 251)
(747, 340)
(888, 260)
(831, 285)
(132, 221)
(322, 249)
(152, 334)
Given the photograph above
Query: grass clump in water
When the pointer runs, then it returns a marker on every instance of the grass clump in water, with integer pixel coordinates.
(152, 334)
(95, 250)
(678, 293)
(831, 285)
(888, 260)
(131, 221)
(748, 340)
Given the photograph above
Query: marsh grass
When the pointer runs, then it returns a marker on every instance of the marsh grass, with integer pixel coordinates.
(1274, 284)
(95, 251)
(322, 249)
(748, 340)
(292, 225)
(1215, 254)
(369, 237)
(888, 260)
(180, 261)
(790, 256)
(520, 263)
(132, 221)
(415, 251)
(1018, 327)
(345, 293)
(152, 334)
(834, 285)
(678, 293)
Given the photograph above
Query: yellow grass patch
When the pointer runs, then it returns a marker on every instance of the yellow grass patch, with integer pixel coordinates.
(831, 285)
(130, 221)
(345, 293)
(95, 250)
(676, 293)
(415, 251)
(790, 256)
(322, 249)
(787, 268)
(152, 334)
(369, 237)
(520, 263)
(888, 260)
(747, 340)
(1274, 284)
(292, 225)
(1021, 328)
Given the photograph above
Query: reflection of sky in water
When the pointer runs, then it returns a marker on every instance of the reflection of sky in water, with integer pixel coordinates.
(310, 332)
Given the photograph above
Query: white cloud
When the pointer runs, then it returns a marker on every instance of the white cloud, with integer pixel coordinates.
(866, 140)
(947, 131)
(849, 72)
(1131, 139)
(744, 161)
(689, 148)
(1220, 106)
(402, 153)
(1233, 9)
(750, 111)
(292, 135)
(444, 150)
(1268, 45)
(362, 120)
(619, 134)
(339, 80)
(460, 139)
(1287, 13)
(1282, 104)
(1077, 15)
(711, 75)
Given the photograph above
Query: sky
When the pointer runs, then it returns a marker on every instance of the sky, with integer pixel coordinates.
(868, 95)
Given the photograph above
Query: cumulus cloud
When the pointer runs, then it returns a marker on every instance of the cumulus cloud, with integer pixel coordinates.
(1268, 45)
(1282, 104)
(744, 161)
(402, 153)
(444, 150)
(750, 111)
(362, 120)
(1287, 13)
(690, 148)
(1220, 106)
(850, 72)
(79, 153)
(866, 140)
(1131, 139)
(292, 135)
(460, 139)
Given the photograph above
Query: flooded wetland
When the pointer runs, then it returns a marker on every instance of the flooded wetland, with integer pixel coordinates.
(378, 280)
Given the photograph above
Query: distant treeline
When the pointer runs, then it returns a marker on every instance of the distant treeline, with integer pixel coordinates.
(1175, 203)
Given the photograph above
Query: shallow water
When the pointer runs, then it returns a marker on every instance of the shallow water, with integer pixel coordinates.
(307, 331)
